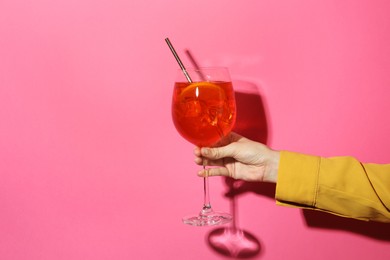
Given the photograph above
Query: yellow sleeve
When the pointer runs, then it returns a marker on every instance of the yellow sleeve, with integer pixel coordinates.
(340, 185)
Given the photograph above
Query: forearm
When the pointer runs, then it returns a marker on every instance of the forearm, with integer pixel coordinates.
(339, 185)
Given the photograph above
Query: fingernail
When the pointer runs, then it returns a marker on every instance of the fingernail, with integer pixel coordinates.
(205, 151)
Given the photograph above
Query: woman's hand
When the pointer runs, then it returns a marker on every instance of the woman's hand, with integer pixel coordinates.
(239, 158)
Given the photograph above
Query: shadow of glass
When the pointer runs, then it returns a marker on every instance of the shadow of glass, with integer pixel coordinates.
(233, 241)
(251, 116)
(236, 243)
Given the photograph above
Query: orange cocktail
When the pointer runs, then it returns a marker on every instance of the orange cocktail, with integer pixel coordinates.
(203, 112)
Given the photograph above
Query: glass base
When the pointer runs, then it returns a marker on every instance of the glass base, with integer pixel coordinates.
(208, 218)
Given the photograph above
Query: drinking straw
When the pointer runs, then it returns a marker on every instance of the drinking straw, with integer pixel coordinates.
(178, 60)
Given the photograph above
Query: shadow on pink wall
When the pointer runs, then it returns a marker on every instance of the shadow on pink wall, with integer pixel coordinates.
(251, 122)
(375, 230)
(232, 241)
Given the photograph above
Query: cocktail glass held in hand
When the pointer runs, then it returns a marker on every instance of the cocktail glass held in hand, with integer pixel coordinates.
(204, 111)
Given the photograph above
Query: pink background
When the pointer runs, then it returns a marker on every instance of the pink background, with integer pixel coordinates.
(91, 166)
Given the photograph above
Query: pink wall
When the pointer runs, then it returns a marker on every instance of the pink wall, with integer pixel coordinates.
(91, 166)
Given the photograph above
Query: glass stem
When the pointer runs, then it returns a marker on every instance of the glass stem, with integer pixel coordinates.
(206, 203)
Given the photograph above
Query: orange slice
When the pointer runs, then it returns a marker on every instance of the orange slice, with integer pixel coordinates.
(203, 90)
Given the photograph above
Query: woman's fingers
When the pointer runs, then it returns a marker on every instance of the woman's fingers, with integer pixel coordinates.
(200, 159)
(207, 162)
(220, 171)
(218, 152)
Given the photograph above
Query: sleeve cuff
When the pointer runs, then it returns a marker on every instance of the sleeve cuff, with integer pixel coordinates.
(297, 182)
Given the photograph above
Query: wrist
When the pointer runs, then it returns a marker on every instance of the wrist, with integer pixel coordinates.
(271, 174)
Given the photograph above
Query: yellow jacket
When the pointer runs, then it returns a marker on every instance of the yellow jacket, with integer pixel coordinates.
(340, 185)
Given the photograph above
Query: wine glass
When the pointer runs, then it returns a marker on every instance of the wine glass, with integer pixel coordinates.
(203, 112)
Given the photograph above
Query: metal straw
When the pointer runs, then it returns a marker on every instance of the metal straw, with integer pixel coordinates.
(178, 60)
